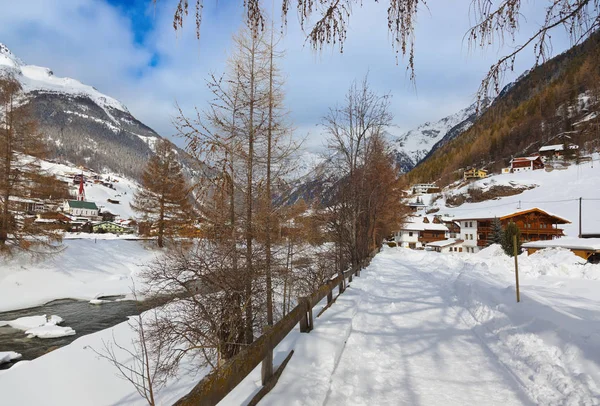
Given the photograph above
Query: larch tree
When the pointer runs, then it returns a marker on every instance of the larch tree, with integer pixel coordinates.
(326, 23)
(164, 199)
(21, 175)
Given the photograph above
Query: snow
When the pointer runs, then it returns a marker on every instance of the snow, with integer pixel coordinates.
(416, 327)
(82, 269)
(592, 244)
(555, 192)
(444, 243)
(8, 356)
(418, 142)
(50, 331)
(30, 322)
(123, 191)
(40, 326)
(38, 78)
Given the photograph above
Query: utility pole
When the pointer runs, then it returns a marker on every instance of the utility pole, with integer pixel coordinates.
(580, 217)
(516, 266)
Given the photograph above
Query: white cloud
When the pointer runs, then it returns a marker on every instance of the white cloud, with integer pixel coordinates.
(91, 41)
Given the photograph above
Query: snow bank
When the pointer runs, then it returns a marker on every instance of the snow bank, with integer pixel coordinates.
(30, 322)
(81, 270)
(50, 331)
(8, 356)
(40, 326)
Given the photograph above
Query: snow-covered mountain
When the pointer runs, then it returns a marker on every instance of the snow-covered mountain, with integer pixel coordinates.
(81, 124)
(415, 145)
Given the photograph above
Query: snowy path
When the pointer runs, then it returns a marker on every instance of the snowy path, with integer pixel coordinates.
(407, 346)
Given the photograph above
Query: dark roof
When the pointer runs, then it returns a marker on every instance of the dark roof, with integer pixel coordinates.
(78, 204)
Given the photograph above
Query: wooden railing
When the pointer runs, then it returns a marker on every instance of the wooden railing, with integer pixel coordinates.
(218, 383)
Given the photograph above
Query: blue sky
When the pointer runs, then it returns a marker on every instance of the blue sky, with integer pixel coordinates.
(128, 50)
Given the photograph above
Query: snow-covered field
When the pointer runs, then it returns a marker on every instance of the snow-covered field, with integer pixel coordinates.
(84, 269)
(557, 192)
(416, 328)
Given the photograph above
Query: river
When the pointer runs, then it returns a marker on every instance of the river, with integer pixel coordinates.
(82, 316)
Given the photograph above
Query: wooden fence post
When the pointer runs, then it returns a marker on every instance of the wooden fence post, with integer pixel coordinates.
(306, 322)
(266, 371)
(330, 297)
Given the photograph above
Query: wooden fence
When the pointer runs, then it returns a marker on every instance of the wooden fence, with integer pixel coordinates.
(217, 384)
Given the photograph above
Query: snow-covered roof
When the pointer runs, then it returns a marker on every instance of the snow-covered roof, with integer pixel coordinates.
(588, 244)
(502, 214)
(444, 243)
(525, 158)
(418, 224)
(557, 147)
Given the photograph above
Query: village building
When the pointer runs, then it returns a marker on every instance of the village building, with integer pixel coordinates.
(80, 207)
(527, 163)
(111, 227)
(475, 173)
(535, 225)
(77, 208)
(424, 188)
(586, 248)
(449, 245)
(557, 151)
(420, 231)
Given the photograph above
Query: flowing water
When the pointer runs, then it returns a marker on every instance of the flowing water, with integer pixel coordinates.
(82, 316)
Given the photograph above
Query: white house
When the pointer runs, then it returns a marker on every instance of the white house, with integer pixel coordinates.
(80, 208)
(419, 231)
(468, 233)
(422, 188)
(449, 245)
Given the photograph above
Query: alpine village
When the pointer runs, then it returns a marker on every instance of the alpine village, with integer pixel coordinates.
(306, 203)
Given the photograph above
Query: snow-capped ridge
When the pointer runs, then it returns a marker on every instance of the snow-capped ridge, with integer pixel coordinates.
(41, 79)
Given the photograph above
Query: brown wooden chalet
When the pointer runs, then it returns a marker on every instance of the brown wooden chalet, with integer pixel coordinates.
(535, 225)
(433, 231)
(527, 163)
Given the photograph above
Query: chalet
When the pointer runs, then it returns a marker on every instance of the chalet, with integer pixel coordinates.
(557, 151)
(422, 188)
(526, 163)
(449, 245)
(416, 205)
(420, 231)
(586, 248)
(475, 173)
(80, 208)
(110, 227)
(535, 225)
(107, 216)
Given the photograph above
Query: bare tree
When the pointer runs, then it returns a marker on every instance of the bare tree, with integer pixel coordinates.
(21, 175)
(495, 22)
(164, 199)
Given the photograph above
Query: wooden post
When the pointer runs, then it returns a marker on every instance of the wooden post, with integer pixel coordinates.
(516, 267)
(266, 371)
(330, 297)
(341, 285)
(350, 277)
(580, 217)
(304, 320)
(311, 323)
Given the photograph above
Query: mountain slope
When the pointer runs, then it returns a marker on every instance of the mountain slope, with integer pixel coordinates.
(82, 125)
(415, 145)
(554, 103)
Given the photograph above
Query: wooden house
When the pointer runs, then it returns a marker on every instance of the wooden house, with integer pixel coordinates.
(475, 173)
(420, 231)
(526, 163)
(535, 225)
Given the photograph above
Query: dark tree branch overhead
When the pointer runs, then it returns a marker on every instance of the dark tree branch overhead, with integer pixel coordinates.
(326, 23)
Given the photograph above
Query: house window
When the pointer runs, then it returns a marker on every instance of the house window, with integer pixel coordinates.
(471, 236)
(460, 250)
(410, 233)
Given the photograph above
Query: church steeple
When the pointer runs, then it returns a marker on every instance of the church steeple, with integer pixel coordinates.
(81, 194)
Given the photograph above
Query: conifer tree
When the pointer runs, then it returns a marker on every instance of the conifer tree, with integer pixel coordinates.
(497, 233)
(507, 239)
(164, 199)
(21, 176)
